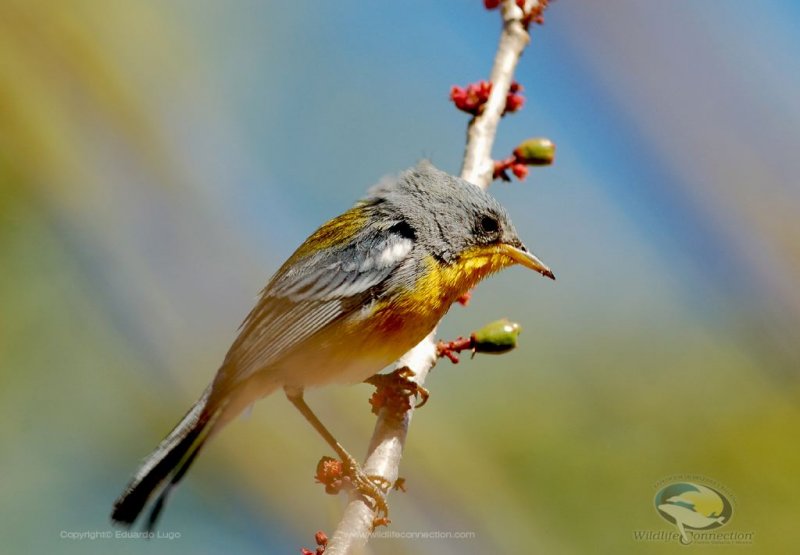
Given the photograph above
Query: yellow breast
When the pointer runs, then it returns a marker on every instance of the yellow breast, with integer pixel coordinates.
(364, 344)
(411, 313)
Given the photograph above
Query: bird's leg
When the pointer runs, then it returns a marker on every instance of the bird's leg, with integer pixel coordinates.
(364, 484)
(393, 391)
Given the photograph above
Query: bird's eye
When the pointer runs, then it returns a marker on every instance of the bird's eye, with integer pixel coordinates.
(489, 224)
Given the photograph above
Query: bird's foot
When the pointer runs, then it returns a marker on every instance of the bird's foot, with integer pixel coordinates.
(373, 488)
(394, 391)
(336, 475)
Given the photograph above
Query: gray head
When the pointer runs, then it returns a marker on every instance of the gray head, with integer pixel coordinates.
(450, 216)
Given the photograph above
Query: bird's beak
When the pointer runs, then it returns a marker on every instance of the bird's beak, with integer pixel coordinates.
(521, 255)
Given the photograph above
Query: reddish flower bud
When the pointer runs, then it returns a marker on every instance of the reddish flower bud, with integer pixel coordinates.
(520, 170)
(321, 538)
(535, 15)
(330, 472)
(491, 4)
(472, 98)
(514, 102)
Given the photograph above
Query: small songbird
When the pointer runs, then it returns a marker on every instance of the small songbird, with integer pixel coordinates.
(362, 290)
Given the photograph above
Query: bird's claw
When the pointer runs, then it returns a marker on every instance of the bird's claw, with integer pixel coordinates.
(394, 390)
(373, 488)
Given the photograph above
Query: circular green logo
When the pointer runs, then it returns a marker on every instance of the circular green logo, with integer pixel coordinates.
(692, 506)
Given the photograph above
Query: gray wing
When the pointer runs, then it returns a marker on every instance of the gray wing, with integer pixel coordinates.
(316, 290)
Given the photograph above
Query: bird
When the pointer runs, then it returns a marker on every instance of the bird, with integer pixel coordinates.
(362, 290)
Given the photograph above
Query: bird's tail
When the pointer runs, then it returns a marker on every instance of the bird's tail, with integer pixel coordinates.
(166, 465)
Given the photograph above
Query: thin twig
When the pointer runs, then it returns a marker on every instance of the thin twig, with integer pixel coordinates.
(386, 446)
(478, 166)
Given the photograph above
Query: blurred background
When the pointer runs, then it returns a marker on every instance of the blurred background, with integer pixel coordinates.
(158, 160)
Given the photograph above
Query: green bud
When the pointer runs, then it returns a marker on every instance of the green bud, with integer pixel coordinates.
(538, 151)
(497, 337)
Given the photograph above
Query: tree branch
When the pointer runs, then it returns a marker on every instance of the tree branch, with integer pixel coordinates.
(478, 166)
(386, 446)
